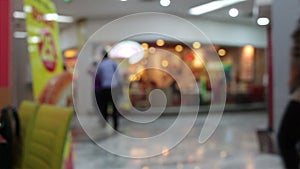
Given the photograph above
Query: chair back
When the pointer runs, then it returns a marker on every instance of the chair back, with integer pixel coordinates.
(27, 114)
(46, 141)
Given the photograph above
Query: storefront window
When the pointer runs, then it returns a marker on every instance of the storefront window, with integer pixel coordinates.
(244, 69)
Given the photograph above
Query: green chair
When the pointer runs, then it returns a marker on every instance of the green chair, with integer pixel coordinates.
(44, 145)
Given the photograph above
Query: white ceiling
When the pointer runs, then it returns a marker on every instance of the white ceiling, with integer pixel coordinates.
(115, 8)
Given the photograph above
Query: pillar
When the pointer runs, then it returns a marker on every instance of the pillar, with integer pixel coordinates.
(5, 16)
(285, 15)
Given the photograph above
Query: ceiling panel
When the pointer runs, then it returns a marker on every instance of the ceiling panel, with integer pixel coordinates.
(116, 8)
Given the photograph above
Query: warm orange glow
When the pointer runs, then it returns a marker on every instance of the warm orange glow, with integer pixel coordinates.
(222, 52)
(178, 48)
(165, 63)
(132, 78)
(248, 50)
(165, 152)
(145, 46)
(247, 63)
(160, 42)
(70, 53)
(197, 63)
(196, 45)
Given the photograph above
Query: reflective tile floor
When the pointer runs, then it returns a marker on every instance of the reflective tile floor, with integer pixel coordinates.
(233, 145)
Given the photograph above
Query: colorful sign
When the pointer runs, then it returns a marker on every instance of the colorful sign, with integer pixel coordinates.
(43, 42)
(45, 57)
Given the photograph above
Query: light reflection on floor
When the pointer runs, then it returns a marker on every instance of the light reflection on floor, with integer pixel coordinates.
(233, 146)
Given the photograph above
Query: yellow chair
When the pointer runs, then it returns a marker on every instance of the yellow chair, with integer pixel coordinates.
(27, 113)
(46, 140)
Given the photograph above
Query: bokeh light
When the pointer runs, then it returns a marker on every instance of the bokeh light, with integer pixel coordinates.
(160, 42)
(178, 48)
(196, 45)
(222, 52)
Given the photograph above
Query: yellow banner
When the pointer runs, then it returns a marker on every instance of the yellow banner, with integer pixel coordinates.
(43, 42)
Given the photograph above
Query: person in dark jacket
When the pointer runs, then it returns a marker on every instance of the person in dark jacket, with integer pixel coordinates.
(106, 82)
(289, 130)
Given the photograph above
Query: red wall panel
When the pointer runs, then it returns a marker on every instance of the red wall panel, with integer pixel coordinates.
(5, 43)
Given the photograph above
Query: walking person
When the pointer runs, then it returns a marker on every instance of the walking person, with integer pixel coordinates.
(107, 80)
(289, 131)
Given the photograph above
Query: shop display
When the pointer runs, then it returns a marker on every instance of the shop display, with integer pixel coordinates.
(244, 83)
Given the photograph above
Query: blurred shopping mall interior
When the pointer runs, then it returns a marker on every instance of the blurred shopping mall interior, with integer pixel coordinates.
(204, 83)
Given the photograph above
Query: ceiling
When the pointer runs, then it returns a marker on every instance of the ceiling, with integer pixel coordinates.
(97, 9)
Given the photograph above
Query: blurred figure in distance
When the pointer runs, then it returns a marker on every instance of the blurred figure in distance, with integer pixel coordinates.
(106, 83)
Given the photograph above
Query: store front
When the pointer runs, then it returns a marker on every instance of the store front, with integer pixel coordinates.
(180, 69)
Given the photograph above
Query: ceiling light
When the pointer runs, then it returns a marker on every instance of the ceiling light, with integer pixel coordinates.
(20, 35)
(263, 21)
(47, 17)
(51, 17)
(165, 63)
(212, 6)
(196, 45)
(178, 48)
(160, 42)
(65, 19)
(123, 0)
(248, 50)
(233, 12)
(145, 46)
(58, 18)
(19, 15)
(222, 52)
(165, 3)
